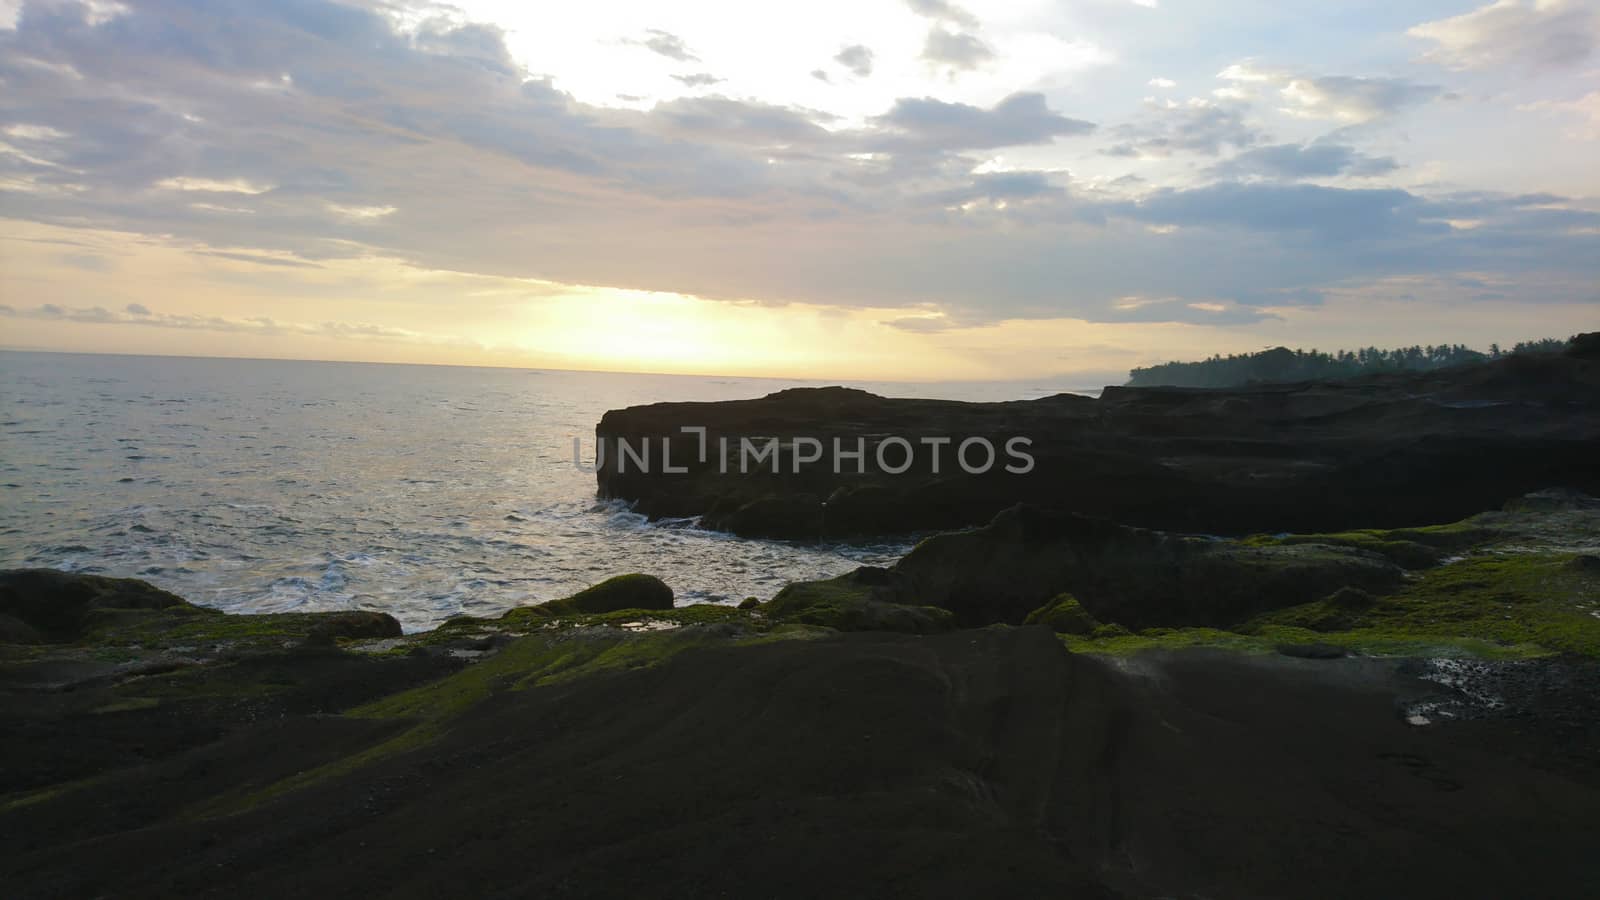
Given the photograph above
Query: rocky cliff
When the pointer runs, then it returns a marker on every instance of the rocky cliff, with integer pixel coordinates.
(1386, 450)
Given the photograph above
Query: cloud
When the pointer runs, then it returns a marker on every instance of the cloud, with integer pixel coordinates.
(953, 42)
(140, 315)
(25, 132)
(1198, 126)
(1313, 160)
(943, 11)
(666, 44)
(494, 172)
(1533, 34)
(699, 79)
(958, 50)
(1333, 213)
(1585, 109)
(1000, 188)
(1022, 118)
(744, 122)
(1163, 83)
(857, 58)
(359, 213)
(212, 185)
(258, 259)
(1341, 98)
(1213, 311)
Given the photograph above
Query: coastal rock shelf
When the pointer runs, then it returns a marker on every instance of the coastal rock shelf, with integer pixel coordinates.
(555, 752)
(1378, 451)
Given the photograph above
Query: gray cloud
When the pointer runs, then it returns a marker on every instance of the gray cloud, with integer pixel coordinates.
(996, 187)
(1345, 98)
(699, 79)
(857, 58)
(141, 315)
(1313, 160)
(1022, 118)
(1327, 212)
(493, 172)
(257, 259)
(740, 121)
(666, 44)
(957, 49)
(1199, 126)
(943, 11)
(1536, 34)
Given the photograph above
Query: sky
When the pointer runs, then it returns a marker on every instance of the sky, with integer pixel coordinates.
(871, 189)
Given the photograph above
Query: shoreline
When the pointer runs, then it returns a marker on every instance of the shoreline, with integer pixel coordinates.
(1043, 701)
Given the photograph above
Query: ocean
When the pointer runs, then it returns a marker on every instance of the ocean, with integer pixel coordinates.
(421, 491)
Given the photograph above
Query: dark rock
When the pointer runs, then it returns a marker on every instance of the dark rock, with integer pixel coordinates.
(615, 594)
(353, 625)
(797, 517)
(1313, 651)
(1378, 451)
(1587, 563)
(987, 763)
(15, 631)
(1131, 576)
(56, 606)
(849, 603)
(1353, 599)
(750, 603)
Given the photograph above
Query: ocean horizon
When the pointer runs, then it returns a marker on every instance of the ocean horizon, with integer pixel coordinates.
(423, 491)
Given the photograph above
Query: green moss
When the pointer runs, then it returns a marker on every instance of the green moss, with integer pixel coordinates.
(1411, 548)
(1521, 603)
(1369, 642)
(847, 605)
(130, 704)
(528, 619)
(537, 660)
(201, 627)
(1491, 605)
(1123, 642)
(1064, 614)
(618, 593)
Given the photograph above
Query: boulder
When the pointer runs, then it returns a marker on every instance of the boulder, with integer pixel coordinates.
(1021, 563)
(797, 517)
(356, 624)
(854, 602)
(55, 606)
(614, 594)
(1064, 615)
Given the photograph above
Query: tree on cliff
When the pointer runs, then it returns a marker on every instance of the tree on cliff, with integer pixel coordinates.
(1280, 364)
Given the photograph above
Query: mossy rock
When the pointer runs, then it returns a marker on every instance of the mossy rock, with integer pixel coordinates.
(51, 606)
(777, 516)
(1064, 615)
(1540, 602)
(848, 604)
(613, 595)
(1026, 557)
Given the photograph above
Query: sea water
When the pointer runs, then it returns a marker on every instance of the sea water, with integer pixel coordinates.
(421, 491)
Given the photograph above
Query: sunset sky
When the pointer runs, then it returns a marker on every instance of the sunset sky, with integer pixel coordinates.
(888, 189)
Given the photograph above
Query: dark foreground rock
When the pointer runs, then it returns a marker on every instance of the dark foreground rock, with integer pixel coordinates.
(1385, 451)
(1513, 583)
(975, 763)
